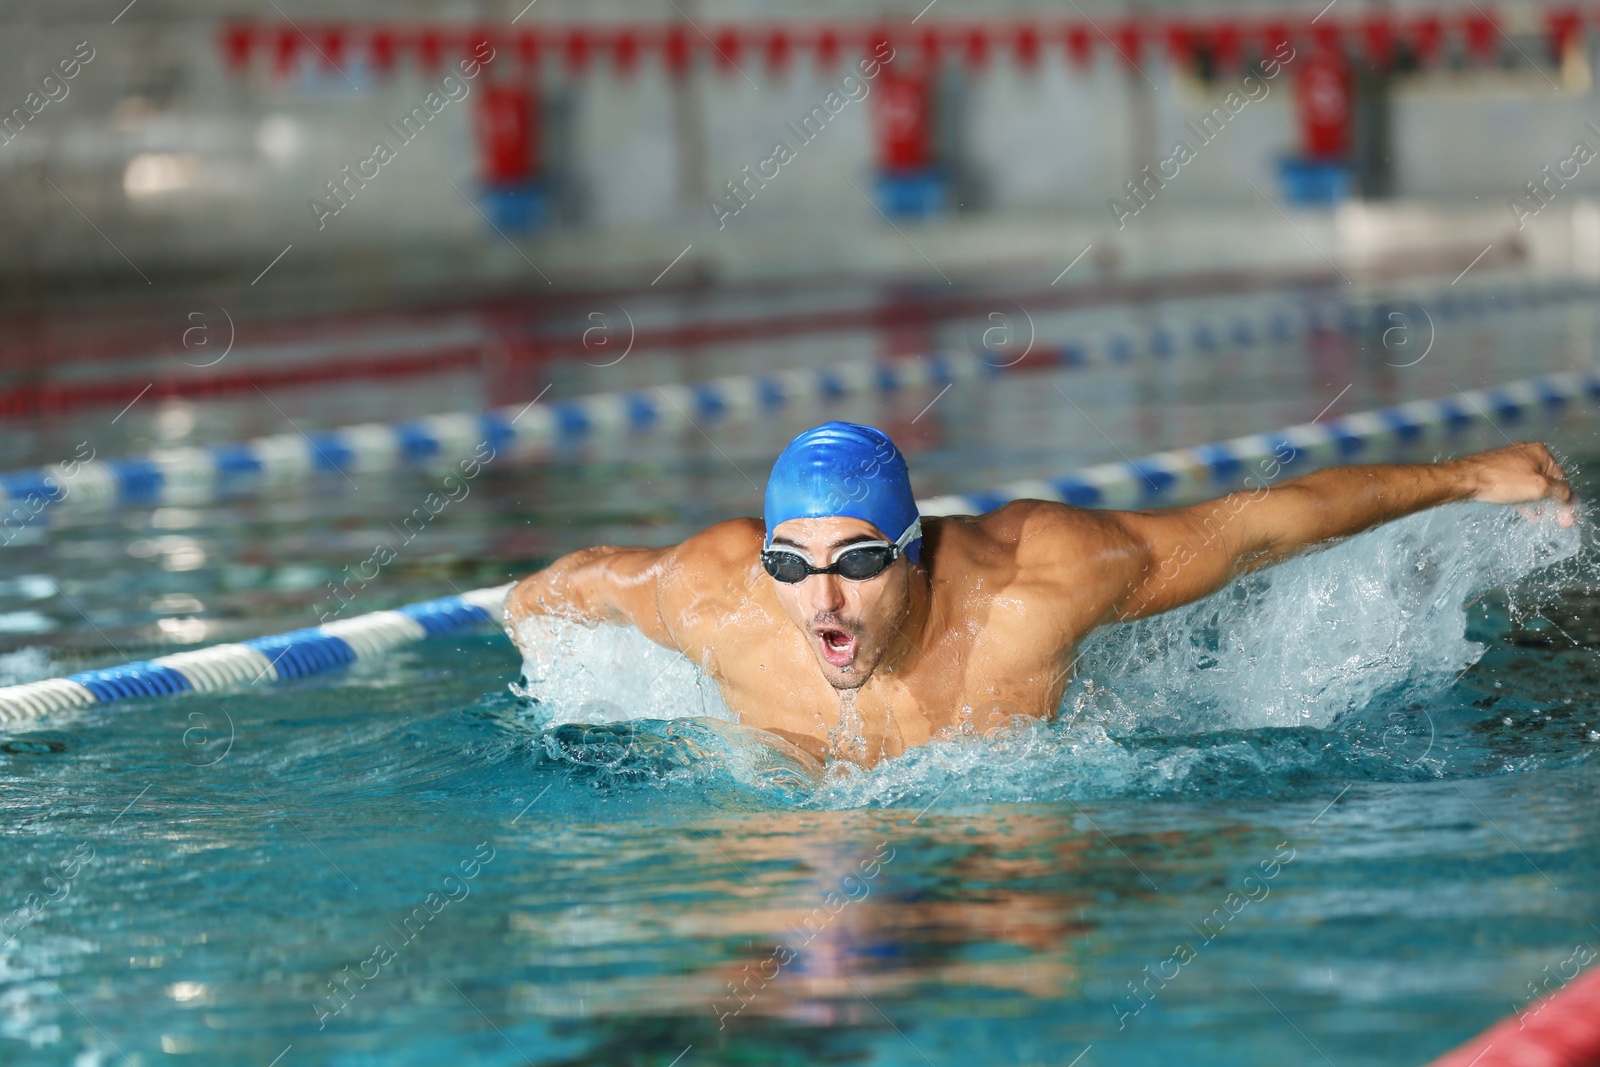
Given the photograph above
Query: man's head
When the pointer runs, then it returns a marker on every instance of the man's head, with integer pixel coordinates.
(839, 500)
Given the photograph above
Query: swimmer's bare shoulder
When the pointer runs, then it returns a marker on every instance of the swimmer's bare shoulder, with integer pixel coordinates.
(1048, 570)
(1028, 579)
(712, 587)
(671, 595)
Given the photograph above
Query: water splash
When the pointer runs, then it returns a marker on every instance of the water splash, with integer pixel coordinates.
(1301, 643)
(847, 741)
(1234, 693)
(573, 673)
(27, 665)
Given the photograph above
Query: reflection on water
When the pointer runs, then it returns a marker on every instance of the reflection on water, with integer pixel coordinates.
(816, 919)
(815, 932)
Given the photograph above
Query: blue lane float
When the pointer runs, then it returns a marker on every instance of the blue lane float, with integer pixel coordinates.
(1159, 478)
(297, 654)
(200, 474)
(1165, 477)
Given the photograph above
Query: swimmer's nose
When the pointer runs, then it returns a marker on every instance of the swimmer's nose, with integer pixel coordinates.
(824, 593)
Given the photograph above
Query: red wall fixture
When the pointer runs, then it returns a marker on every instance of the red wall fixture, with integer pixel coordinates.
(903, 119)
(508, 134)
(730, 49)
(1323, 106)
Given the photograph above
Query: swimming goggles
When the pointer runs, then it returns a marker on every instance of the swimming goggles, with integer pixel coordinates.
(858, 563)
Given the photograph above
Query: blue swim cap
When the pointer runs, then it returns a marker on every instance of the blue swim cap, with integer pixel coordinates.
(842, 469)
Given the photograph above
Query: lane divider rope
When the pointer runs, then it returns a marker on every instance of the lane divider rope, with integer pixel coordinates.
(1166, 476)
(296, 654)
(238, 469)
(1162, 477)
(459, 351)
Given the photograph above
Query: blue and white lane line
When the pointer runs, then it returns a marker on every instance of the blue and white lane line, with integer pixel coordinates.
(194, 475)
(1154, 479)
(1167, 476)
(281, 656)
(190, 475)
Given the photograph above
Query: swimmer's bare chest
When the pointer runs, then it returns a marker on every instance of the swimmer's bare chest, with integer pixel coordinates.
(996, 644)
(953, 687)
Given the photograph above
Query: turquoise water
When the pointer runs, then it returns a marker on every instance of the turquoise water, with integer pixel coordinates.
(1342, 811)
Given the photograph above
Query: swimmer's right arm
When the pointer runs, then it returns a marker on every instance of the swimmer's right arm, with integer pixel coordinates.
(615, 585)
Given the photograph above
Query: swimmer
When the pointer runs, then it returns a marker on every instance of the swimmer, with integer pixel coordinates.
(843, 613)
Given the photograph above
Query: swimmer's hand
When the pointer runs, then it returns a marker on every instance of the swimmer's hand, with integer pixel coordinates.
(1519, 474)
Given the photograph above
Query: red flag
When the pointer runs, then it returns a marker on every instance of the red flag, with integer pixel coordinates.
(1227, 43)
(678, 52)
(827, 49)
(727, 48)
(1130, 42)
(1427, 38)
(330, 46)
(1482, 37)
(237, 41)
(1562, 23)
(1273, 36)
(528, 48)
(288, 46)
(1328, 37)
(381, 47)
(977, 49)
(1180, 43)
(1378, 33)
(480, 42)
(778, 51)
(577, 51)
(625, 52)
(430, 50)
(1080, 45)
(878, 43)
(1027, 45)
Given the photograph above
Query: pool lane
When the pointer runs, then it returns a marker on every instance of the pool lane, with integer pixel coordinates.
(244, 856)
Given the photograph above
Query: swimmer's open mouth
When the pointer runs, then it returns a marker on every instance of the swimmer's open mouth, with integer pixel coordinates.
(838, 646)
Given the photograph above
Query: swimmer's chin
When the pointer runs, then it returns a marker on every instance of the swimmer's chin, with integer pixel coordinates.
(845, 680)
(837, 651)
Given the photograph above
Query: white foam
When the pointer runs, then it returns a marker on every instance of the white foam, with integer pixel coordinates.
(27, 665)
(1297, 644)
(607, 673)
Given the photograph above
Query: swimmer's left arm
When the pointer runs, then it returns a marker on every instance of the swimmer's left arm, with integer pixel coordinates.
(1183, 554)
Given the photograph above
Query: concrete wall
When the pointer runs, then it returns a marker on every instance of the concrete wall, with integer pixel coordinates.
(240, 159)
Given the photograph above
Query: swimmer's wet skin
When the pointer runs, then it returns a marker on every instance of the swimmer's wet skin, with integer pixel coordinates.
(841, 595)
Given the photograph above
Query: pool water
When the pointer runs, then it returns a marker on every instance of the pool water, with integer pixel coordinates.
(1340, 812)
